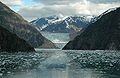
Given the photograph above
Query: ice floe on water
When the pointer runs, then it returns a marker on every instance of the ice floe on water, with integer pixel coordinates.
(100, 60)
(11, 63)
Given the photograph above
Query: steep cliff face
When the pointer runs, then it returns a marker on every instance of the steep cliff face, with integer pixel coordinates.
(102, 34)
(16, 24)
(10, 42)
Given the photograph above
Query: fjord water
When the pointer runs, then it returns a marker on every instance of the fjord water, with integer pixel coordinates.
(60, 64)
(59, 39)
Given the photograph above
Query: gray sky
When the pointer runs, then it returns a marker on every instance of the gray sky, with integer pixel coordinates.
(32, 9)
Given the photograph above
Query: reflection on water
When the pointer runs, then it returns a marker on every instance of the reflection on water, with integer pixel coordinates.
(59, 39)
(62, 73)
(61, 64)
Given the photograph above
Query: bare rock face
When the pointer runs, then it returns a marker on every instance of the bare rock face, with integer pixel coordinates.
(102, 34)
(10, 42)
(16, 24)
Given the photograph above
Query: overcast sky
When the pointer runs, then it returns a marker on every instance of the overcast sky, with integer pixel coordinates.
(32, 9)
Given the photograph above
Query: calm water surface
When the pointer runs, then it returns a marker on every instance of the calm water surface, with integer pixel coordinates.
(60, 64)
(59, 39)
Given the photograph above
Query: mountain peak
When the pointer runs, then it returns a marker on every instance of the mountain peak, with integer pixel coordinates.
(60, 23)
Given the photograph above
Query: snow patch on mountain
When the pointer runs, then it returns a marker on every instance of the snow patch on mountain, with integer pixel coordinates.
(59, 20)
(61, 23)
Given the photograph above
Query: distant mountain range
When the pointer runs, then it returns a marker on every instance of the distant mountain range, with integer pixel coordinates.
(61, 24)
(103, 33)
(15, 24)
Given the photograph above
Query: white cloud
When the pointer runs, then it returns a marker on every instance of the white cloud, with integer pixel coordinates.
(105, 1)
(12, 2)
(58, 2)
(75, 7)
(37, 11)
(94, 9)
(43, 8)
(74, 1)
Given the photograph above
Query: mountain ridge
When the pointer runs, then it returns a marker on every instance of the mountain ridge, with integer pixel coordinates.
(103, 34)
(60, 24)
(16, 24)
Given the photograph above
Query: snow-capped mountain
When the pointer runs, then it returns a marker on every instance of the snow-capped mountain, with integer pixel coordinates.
(61, 24)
